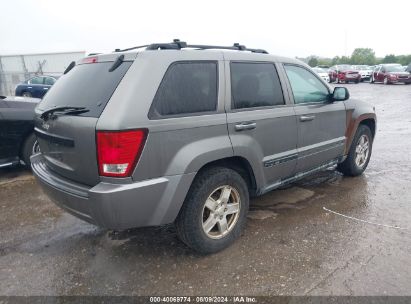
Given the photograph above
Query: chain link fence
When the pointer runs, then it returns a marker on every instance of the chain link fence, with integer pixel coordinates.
(15, 69)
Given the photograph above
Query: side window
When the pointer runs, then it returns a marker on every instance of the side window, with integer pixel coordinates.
(187, 88)
(36, 80)
(49, 81)
(255, 85)
(305, 85)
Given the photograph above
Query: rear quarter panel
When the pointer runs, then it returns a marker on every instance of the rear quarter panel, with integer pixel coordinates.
(174, 146)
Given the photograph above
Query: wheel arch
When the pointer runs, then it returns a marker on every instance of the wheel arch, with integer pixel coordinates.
(367, 119)
(239, 164)
(370, 123)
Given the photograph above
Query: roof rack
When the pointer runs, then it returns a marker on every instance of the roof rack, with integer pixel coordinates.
(178, 45)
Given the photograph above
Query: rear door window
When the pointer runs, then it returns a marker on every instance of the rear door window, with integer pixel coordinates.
(86, 85)
(49, 81)
(188, 88)
(255, 85)
(36, 80)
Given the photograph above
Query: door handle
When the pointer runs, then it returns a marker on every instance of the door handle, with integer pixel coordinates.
(245, 126)
(307, 118)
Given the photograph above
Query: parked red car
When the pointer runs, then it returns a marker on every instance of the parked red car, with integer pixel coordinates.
(344, 73)
(390, 73)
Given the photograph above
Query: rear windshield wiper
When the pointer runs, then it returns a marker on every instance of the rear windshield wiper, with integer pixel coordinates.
(63, 110)
(117, 63)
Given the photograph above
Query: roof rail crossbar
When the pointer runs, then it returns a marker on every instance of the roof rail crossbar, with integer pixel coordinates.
(132, 48)
(178, 45)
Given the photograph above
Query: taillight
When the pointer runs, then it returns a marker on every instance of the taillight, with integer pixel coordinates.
(118, 151)
(90, 60)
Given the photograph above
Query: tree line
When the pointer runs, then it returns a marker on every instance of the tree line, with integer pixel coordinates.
(360, 56)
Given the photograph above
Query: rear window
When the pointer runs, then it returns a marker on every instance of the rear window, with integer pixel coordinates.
(86, 85)
(255, 85)
(188, 88)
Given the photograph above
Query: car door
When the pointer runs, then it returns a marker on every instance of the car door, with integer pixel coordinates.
(321, 124)
(5, 146)
(377, 73)
(35, 86)
(48, 82)
(381, 74)
(16, 121)
(261, 120)
(332, 73)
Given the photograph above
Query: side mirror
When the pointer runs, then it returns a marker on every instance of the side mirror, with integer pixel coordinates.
(340, 94)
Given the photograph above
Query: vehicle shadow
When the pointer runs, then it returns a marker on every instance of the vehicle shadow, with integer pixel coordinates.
(163, 240)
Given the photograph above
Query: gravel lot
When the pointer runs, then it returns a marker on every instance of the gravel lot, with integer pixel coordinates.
(291, 245)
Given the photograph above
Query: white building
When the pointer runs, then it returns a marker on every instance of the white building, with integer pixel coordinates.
(17, 68)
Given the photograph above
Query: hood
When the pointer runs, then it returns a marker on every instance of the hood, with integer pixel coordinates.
(399, 73)
(21, 99)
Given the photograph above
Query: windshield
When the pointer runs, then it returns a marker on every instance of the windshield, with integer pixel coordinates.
(394, 68)
(344, 67)
(86, 85)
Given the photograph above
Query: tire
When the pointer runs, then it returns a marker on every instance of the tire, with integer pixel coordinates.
(357, 81)
(30, 147)
(371, 79)
(194, 214)
(349, 166)
(386, 81)
(26, 94)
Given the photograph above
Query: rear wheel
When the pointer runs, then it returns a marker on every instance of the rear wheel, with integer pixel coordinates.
(359, 154)
(26, 94)
(30, 147)
(214, 211)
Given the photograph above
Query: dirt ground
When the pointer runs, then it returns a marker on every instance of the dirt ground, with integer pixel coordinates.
(291, 245)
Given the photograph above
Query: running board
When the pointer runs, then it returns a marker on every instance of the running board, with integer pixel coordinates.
(298, 176)
(8, 164)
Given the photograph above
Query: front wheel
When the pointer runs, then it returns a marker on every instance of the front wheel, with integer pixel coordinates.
(214, 211)
(386, 80)
(359, 154)
(30, 147)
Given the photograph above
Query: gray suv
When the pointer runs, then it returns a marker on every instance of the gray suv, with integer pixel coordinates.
(185, 134)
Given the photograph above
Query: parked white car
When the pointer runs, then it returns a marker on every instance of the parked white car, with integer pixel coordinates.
(323, 73)
(364, 70)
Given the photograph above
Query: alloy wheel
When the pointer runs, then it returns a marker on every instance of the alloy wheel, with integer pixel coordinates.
(362, 151)
(221, 212)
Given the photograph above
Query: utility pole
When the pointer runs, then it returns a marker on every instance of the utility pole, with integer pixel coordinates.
(345, 42)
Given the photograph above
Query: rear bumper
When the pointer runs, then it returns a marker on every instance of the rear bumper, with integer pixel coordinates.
(116, 206)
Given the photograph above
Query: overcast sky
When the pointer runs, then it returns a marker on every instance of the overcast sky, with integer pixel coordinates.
(287, 27)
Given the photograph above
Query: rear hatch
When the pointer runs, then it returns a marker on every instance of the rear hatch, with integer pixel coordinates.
(66, 118)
